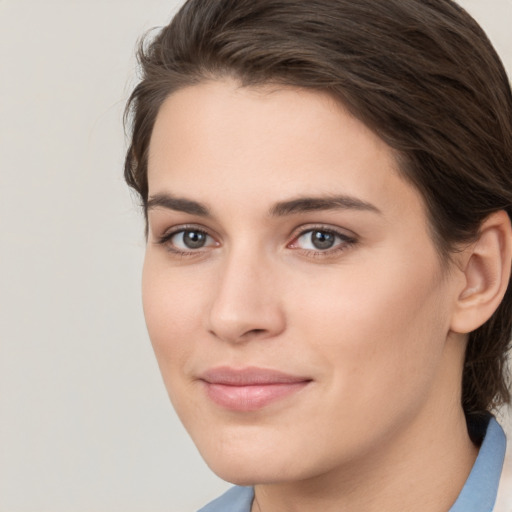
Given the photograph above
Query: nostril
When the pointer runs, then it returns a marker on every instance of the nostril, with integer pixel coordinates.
(255, 332)
(240, 337)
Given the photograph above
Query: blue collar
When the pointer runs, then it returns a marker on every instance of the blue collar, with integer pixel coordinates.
(478, 495)
(479, 492)
(236, 499)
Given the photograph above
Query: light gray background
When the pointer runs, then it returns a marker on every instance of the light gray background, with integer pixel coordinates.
(85, 423)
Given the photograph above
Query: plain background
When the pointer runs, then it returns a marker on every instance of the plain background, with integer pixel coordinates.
(85, 423)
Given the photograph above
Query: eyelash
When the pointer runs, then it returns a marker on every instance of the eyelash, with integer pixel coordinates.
(166, 238)
(344, 241)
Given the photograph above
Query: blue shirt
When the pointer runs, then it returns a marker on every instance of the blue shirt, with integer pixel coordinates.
(478, 494)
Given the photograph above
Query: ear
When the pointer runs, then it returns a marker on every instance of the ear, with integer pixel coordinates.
(486, 266)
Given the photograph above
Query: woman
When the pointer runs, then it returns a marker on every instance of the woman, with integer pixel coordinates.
(327, 187)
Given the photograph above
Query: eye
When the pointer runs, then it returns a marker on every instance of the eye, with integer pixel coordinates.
(317, 239)
(187, 240)
(321, 240)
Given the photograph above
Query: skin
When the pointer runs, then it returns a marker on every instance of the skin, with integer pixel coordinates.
(370, 321)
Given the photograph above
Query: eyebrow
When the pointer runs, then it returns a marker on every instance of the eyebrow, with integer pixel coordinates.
(311, 204)
(281, 209)
(178, 204)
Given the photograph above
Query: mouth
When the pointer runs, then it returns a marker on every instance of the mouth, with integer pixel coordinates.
(249, 389)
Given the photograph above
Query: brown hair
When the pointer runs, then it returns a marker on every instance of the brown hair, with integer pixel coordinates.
(420, 73)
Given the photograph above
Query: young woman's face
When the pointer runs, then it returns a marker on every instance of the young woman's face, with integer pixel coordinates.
(298, 309)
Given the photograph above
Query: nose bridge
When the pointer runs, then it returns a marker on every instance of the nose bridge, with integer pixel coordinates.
(245, 304)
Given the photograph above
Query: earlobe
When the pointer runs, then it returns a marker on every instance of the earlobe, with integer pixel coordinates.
(486, 269)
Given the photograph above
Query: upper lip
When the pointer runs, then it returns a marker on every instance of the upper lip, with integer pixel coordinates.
(249, 376)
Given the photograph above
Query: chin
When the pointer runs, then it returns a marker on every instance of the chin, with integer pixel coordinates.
(247, 460)
(249, 472)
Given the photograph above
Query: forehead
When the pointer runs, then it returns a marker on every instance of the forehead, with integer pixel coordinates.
(268, 144)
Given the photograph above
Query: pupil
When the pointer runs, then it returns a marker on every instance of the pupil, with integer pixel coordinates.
(322, 239)
(194, 239)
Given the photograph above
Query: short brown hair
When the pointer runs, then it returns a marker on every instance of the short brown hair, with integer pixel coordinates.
(420, 73)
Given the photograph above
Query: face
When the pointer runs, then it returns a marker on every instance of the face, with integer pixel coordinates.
(298, 309)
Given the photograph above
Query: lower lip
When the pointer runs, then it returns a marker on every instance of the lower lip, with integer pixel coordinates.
(253, 397)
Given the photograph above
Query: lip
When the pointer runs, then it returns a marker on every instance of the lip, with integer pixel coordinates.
(249, 389)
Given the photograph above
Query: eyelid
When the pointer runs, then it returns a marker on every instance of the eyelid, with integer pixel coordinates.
(347, 239)
(165, 238)
(336, 230)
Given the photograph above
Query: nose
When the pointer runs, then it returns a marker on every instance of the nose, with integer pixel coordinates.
(246, 303)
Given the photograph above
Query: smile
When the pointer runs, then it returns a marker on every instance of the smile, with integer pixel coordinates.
(249, 389)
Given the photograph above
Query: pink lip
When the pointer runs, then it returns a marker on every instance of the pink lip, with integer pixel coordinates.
(249, 389)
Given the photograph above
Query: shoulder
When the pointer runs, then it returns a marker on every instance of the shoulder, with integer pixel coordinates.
(236, 499)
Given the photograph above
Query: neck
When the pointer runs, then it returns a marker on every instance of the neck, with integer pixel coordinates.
(422, 468)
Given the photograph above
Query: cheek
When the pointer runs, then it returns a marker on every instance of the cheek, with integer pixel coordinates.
(172, 309)
(171, 302)
(380, 331)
